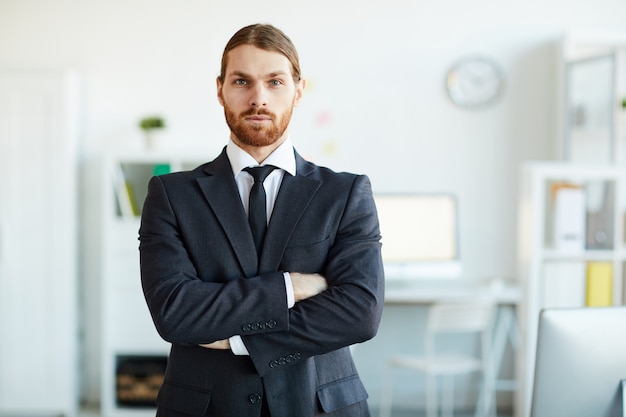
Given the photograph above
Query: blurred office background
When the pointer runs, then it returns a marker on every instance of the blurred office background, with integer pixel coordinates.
(376, 103)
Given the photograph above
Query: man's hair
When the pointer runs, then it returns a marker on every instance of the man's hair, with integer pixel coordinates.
(265, 37)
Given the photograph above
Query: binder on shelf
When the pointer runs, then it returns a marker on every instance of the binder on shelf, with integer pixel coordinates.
(131, 197)
(600, 213)
(564, 284)
(124, 194)
(569, 217)
(599, 284)
(161, 169)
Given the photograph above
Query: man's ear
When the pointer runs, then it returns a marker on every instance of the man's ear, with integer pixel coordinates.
(220, 97)
(300, 86)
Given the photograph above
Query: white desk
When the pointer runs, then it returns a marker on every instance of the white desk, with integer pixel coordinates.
(429, 291)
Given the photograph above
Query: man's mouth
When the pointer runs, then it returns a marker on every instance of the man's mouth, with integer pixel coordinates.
(258, 118)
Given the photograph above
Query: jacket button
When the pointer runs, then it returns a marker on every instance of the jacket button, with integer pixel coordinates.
(254, 398)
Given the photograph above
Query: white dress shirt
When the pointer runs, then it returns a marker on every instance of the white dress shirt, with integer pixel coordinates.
(283, 158)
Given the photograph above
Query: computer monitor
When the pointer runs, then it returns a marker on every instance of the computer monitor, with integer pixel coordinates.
(419, 235)
(581, 362)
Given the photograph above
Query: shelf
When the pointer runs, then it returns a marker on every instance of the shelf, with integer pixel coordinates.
(126, 326)
(557, 266)
(588, 255)
(129, 178)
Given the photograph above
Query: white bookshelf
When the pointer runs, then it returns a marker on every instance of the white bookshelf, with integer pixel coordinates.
(126, 330)
(537, 248)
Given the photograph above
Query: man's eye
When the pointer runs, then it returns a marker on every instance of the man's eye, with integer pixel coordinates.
(241, 81)
(275, 83)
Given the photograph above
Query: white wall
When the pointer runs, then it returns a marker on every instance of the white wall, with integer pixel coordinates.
(376, 70)
(376, 101)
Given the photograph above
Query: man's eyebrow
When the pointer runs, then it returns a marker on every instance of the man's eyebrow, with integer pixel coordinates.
(277, 74)
(270, 75)
(239, 74)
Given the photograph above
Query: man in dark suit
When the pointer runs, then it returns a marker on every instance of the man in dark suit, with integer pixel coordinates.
(261, 326)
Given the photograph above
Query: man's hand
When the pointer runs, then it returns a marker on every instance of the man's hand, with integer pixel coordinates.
(307, 285)
(219, 345)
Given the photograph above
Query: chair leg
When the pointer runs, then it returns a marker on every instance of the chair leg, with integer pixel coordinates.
(447, 402)
(386, 392)
(481, 405)
(431, 396)
(485, 403)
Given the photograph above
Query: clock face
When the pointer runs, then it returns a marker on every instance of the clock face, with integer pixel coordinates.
(474, 82)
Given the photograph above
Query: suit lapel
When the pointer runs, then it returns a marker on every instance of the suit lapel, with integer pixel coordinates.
(221, 192)
(294, 196)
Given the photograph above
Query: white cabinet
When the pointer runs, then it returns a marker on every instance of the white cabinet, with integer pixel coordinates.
(594, 89)
(38, 245)
(570, 282)
(131, 355)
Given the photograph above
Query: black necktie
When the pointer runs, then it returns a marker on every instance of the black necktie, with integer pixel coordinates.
(257, 215)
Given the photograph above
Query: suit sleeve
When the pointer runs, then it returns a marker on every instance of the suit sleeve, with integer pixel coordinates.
(349, 311)
(189, 310)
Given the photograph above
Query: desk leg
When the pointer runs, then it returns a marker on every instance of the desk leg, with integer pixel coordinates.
(623, 397)
(505, 330)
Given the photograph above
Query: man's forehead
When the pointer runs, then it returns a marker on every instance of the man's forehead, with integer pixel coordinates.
(248, 59)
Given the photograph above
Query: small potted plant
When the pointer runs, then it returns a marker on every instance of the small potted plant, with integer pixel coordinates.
(152, 127)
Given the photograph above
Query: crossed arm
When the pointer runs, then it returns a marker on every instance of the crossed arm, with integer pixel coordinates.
(304, 286)
(187, 310)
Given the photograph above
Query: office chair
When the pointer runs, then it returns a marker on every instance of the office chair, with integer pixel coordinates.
(448, 317)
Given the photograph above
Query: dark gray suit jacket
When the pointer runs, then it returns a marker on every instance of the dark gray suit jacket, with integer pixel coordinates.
(203, 282)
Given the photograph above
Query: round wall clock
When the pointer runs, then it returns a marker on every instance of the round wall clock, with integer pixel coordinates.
(474, 82)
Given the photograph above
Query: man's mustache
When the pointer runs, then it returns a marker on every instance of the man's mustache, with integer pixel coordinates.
(258, 112)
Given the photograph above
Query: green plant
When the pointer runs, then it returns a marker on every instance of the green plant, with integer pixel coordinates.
(152, 122)
(624, 103)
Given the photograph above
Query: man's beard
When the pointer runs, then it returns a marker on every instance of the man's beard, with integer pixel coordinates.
(257, 135)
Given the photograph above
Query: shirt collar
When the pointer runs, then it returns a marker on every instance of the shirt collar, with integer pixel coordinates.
(283, 157)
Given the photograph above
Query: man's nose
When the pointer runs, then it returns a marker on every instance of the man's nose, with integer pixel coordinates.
(258, 96)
